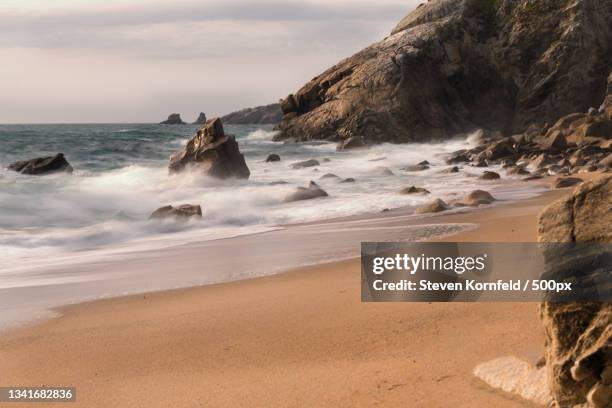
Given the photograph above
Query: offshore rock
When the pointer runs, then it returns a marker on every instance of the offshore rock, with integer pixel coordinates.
(42, 165)
(212, 152)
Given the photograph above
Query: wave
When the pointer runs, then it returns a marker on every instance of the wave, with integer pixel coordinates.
(261, 135)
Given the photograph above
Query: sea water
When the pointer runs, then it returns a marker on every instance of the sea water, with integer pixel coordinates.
(121, 176)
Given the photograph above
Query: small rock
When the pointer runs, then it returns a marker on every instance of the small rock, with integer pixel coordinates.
(273, 158)
(416, 167)
(459, 156)
(328, 176)
(453, 169)
(306, 163)
(517, 170)
(414, 190)
(476, 198)
(533, 177)
(435, 206)
(541, 161)
(182, 212)
(489, 175)
(348, 180)
(306, 193)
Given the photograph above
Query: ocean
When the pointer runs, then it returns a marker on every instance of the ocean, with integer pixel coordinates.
(120, 177)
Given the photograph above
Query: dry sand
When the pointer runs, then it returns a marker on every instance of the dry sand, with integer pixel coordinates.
(302, 338)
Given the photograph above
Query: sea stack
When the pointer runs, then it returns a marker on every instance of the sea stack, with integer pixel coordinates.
(173, 119)
(201, 119)
(212, 152)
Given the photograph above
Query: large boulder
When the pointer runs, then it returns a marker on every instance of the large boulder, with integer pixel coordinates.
(212, 152)
(173, 119)
(452, 66)
(579, 335)
(42, 165)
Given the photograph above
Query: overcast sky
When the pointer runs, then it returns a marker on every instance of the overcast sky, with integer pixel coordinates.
(139, 60)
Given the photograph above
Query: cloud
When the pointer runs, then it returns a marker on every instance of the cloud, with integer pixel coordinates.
(135, 60)
(179, 27)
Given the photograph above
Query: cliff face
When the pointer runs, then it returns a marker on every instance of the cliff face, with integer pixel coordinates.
(260, 115)
(455, 65)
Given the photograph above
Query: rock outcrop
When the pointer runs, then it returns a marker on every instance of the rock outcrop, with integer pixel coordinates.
(173, 119)
(182, 212)
(42, 165)
(579, 335)
(212, 152)
(201, 119)
(453, 66)
(260, 115)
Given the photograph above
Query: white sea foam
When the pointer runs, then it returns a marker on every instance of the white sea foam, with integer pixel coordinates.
(60, 215)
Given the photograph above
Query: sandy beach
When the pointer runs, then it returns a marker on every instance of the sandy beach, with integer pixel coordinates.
(301, 338)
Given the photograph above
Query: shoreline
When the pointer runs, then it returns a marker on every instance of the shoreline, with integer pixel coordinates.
(296, 338)
(138, 271)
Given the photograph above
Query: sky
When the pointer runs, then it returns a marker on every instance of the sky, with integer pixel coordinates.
(132, 61)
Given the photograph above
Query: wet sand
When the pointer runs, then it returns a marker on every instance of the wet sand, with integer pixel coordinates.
(301, 338)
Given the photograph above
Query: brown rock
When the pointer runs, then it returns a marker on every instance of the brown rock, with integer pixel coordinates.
(306, 193)
(502, 148)
(475, 198)
(212, 152)
(489, 175)
(273, 158)
(578, 335)
(305, 163)
(555, 140)
(433, 207)
(517, 170)
(42, 165)
(182, 212)
(452, 66)
(414, 190)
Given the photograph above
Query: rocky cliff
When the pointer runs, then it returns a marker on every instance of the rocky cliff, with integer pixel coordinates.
(260, 115)
(454, 65)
